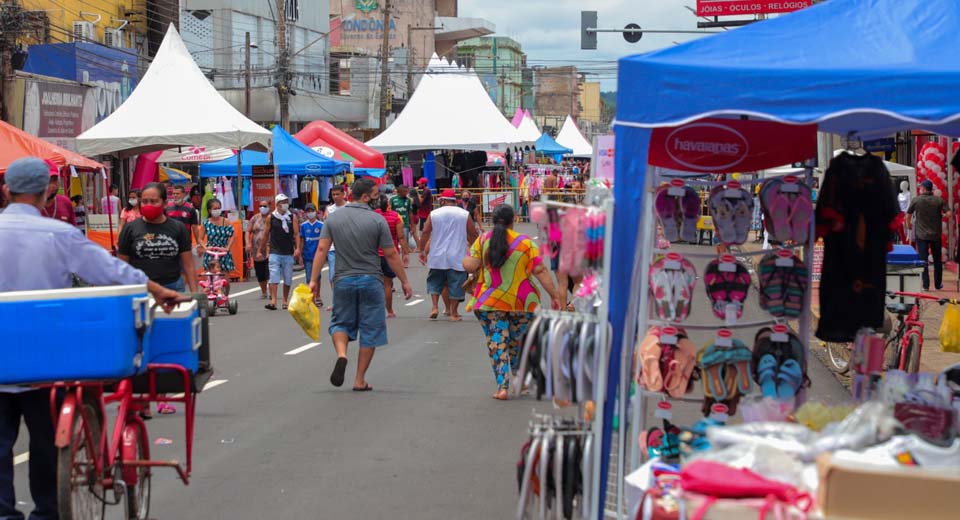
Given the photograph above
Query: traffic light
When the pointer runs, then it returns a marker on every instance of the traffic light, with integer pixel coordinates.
(588, 39)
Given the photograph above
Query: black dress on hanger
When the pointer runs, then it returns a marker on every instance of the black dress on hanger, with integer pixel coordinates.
(855, 210)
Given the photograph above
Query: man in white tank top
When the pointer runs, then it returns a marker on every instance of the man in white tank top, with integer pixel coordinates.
(446, 239)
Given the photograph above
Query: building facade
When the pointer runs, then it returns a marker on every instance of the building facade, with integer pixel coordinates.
(499, 62)
(590, 101)
(557, 91)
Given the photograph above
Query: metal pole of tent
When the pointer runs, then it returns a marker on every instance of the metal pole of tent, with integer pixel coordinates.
(600, 397)
(106, 188)
(240, 212)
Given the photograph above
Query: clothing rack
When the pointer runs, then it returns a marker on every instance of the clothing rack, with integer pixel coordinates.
(638, 320)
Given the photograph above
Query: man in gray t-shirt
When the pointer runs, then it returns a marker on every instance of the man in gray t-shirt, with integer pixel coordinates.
(359, 305)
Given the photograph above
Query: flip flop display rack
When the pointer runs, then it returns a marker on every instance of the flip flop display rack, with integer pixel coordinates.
(745, 353)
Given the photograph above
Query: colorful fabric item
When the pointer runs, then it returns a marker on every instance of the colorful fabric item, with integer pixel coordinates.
(218, 236)
(509, 288)
(505, 332)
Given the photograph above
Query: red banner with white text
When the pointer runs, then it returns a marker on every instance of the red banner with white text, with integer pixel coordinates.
(716, 145)
(746, 7)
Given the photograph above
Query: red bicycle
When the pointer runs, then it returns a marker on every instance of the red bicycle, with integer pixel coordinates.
(904, 340)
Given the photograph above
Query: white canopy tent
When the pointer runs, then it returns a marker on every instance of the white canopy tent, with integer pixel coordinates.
(528, 129)
(195, 154)
(173, 105)
(571, 137)
(449, 110)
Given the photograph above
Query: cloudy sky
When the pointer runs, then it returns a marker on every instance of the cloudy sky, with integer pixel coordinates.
(549, 30)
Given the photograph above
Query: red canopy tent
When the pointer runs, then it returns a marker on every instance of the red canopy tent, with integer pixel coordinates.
(15, 144)
(323, 134)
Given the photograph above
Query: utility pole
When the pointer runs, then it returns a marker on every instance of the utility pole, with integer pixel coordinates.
(246, 77)
(283, 65)
(384, 65)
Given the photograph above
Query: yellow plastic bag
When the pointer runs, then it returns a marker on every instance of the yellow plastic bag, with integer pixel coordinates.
(305, 312)
(950, 329)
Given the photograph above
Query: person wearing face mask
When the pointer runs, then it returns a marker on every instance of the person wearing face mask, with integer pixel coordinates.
(309, 238)
(42, 254)
(58, 206)
(131, 211)
(158, 245)
(182, 210)
(217, 232)
(283, 241)
(256, 238)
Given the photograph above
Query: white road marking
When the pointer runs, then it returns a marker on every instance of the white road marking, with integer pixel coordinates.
(20, 459)
(255, 289)
(414, 302)
(210, 385)
(304, 348)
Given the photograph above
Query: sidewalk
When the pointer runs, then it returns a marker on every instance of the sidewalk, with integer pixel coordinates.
(932, 359)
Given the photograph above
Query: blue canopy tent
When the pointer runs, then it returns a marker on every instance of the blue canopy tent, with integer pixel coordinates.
(879, 66)
(289, 155)
(547, 146)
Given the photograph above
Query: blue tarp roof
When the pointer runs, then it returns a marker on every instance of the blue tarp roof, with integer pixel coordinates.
(547, 146)
(869, 66)
(291, 157)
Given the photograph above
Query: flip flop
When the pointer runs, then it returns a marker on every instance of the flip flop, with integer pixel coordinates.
(270, 307)
(789, 379)
(767, 375)
(336, 378)
(650, 351)
(365, 388)
(738, 362)
(456, 318)
(690, 207)
(433, 315)
(711, 361)
(800, 212)
(743, 217)
(666, 209)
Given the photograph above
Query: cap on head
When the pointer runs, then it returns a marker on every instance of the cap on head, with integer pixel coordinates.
(280, 197)
(28, 175)
(422, 181)
(927, 185)
(309, 207)
(448, 194)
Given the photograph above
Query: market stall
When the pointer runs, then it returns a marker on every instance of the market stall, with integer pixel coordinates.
(868, 78)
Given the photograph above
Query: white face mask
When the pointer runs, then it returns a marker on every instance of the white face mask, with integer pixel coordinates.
(215, 212)
(133, 202)
(311, 215)
(264, 211)
(284, 207)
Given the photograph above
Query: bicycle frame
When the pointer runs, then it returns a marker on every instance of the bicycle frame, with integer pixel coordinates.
(119, 444)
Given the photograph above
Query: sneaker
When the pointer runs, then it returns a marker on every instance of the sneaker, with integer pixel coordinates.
(907, 450)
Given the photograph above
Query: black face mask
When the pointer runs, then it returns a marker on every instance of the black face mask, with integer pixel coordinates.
(374, 204)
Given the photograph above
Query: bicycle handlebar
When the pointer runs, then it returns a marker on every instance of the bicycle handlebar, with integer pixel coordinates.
(921, 296)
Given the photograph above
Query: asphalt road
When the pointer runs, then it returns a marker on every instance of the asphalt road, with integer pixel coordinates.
(275, 440)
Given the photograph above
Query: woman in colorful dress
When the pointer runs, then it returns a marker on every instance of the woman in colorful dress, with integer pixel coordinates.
(505, 264)
(217, 232)
(131, 210)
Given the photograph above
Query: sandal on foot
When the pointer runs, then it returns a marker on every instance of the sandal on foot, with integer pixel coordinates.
(336, 378)
(270, 307)
(433, 315)
(364, 388)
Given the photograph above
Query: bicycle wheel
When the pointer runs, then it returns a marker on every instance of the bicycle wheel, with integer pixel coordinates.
(137, 478)
(912, 360)
(839, 355)
(79, 488)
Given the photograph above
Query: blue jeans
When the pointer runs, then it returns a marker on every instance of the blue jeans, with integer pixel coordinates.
(360, 310)
(178, 286)
(308, 269)
(331, 260)
(281, 269)
(34, 407)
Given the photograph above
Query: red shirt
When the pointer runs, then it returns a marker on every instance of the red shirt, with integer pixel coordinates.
(61, 209)
(392, 218)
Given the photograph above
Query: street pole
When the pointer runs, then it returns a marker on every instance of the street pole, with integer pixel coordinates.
(283, 89)
(409, 60)
(246, 77)
(384, 64)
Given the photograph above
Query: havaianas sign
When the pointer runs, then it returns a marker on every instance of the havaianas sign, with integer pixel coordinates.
(366, 6)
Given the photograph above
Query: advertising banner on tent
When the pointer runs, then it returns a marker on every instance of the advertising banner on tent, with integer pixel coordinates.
(603, 157)
(731, 145)
(739, 7)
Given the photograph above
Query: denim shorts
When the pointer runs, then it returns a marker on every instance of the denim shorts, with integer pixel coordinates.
(178, 286)
(281, 269)
(437, 279)
(331, 263)
(359, 310)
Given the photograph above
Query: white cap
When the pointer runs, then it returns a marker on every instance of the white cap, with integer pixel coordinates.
(280, 196)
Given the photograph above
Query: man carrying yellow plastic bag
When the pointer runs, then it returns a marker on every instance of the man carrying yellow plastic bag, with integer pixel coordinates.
(305, 312)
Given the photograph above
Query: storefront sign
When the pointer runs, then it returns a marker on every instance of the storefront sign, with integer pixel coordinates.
(603, 157)
(263, 190)
(366, 28)
(746, 7)
(731, 145)
(887, 144)
(492, 199)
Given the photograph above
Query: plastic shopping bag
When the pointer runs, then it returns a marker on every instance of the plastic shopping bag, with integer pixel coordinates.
(950, 329)
(305, 312)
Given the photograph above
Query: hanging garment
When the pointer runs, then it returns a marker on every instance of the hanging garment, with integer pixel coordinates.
(207, 195)
(246, 196)
(228, 201)
(288, 185)
(315, 192)
(855, 209)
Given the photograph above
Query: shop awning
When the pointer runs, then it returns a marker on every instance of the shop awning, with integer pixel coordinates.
(337, 144)
(290, 156)
(571, 137)
(15, 144)
(547, 146)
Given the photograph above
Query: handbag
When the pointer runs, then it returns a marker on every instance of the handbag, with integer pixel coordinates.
(717, 481)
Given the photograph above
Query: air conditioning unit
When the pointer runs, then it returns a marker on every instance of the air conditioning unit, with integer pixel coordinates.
(114, 38)
(84, 31)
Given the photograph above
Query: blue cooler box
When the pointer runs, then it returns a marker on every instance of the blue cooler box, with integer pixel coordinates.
(72, 334)
(904, 255)
(175, 338)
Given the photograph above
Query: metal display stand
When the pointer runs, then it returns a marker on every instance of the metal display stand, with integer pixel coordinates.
(638, 320)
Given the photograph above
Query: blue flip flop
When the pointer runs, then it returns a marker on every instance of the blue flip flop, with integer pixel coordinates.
(767, 375)
(789, 379)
